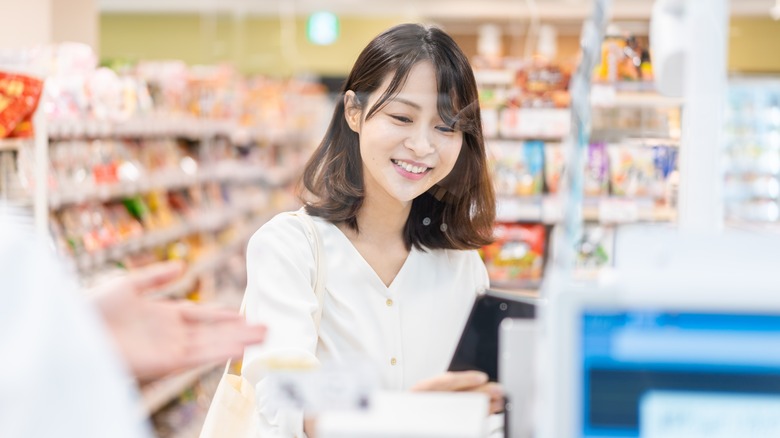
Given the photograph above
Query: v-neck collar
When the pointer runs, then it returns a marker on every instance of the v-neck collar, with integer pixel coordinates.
(367, 266)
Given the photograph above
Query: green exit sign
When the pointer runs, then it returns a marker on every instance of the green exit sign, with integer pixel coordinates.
(322, 28)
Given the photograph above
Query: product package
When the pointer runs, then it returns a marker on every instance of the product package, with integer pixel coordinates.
(19, 95)
(554, 166)
(595, 247)
(665, 161)
(517, 255)
(632, 170)
(596, 176)
(518, 167)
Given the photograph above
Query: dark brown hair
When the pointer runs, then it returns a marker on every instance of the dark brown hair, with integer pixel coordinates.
(457, 213)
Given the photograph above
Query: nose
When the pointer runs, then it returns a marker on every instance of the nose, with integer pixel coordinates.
(420, 143)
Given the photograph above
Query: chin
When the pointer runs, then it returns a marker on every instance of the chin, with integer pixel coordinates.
(406, 196)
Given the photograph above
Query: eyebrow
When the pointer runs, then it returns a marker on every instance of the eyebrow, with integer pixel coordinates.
(406, 102)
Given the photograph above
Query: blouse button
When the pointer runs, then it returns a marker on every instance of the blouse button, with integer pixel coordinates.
(389, 302)
(393, 361)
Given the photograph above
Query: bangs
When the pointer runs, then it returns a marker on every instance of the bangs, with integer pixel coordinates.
(396, 83)
(458, 108)
(452, 110)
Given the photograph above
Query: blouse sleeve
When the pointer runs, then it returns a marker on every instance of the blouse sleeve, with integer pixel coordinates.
(280, 294)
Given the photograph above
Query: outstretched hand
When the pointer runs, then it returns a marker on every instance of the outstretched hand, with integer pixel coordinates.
(473, 381)
(157, 337)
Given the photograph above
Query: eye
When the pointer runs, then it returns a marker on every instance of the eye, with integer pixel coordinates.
(402, 119)
(445, 129)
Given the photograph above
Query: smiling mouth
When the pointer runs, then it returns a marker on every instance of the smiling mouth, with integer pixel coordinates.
(411, 168)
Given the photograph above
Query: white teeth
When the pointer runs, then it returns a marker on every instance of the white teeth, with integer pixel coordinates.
(409, 168)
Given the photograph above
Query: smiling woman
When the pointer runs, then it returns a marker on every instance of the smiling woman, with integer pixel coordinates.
(409, 71)
(400, 196)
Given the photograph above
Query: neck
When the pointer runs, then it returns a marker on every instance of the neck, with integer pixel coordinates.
(383, 219)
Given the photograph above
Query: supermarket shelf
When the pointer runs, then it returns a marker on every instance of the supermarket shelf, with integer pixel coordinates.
(494, 77)
(759, 227)
(606, 210)
(534, 123)
(17, 201)
(206, 221)
(234, 173)
(211, 262)
(547, 138)
(602, 97)
(185, 126)
(157, 394)
(12, 144)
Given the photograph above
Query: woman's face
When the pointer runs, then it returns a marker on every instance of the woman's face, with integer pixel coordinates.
(406, 147)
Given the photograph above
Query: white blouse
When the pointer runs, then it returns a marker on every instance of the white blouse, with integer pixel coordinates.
(409, 330)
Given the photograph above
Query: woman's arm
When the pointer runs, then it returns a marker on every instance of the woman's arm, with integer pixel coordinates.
(280, 276)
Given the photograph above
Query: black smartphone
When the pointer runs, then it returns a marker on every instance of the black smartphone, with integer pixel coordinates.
(478, 345)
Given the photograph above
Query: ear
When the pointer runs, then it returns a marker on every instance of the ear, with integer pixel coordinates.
(352, 112)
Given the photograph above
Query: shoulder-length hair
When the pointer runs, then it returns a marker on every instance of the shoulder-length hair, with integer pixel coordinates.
(457, 213)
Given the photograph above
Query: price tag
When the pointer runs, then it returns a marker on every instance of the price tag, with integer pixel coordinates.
(104, 192)
(509, 123)
(617, 211)
(552, 209)
(519, 209)
(490, 122)
(603, 95)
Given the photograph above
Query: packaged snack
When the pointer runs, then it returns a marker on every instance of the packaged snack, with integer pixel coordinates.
(517, 255)
(554, 166)
(665, 162)
(594, 248)
(19, 95)
(631, 169)
(596, 176)
(518, 167)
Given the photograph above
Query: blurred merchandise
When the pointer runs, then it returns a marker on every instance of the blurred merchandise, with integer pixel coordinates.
(632, 170)
(596, 176)
(752, 150)
(518, 167)
(516, 258)
(19, 96)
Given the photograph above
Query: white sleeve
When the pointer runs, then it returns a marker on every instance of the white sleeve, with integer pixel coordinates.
(479, 269)
(60, 373)
(280, 294)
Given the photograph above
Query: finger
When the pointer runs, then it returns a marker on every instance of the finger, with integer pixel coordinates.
(496, 394)
(150, 277)
(222, 341)
(207, 349)
(496, 406)
(208, 314)
(452, 381)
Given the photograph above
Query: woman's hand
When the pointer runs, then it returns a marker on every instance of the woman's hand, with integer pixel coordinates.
(472, 381)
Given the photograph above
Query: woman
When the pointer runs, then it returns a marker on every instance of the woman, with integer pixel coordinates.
(401, 196)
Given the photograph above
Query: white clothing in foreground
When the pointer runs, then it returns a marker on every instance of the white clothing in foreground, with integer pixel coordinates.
(408, 330)
(60, 374)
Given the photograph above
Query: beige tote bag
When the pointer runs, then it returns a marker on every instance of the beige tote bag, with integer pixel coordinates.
(232, 410)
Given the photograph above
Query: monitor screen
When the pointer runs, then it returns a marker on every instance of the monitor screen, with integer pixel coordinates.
(656, 374)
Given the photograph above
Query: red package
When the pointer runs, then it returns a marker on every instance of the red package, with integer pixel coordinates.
(19, 96)
(517, 255)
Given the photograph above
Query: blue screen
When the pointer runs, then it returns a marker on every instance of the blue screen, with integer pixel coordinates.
(628, 355)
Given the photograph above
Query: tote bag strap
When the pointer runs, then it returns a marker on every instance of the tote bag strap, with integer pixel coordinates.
(316, 241)
(242, 312)
(319, 283)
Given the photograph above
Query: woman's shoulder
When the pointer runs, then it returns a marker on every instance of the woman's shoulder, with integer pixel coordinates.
(285, 226)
